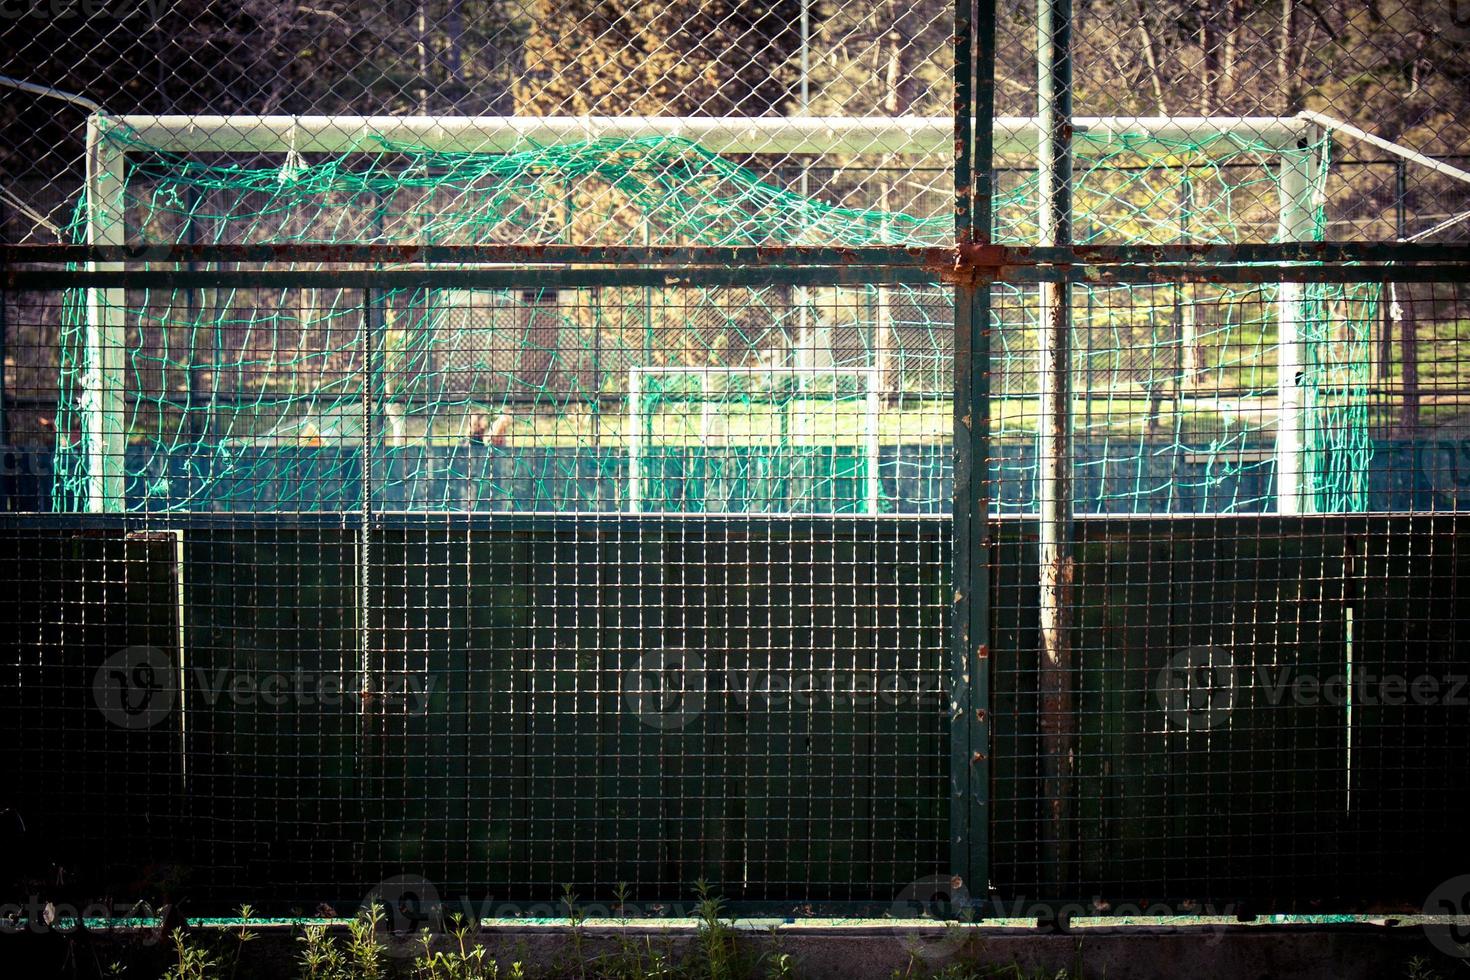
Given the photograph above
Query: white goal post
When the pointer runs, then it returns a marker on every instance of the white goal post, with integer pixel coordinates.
(872, 402)
(104, 407)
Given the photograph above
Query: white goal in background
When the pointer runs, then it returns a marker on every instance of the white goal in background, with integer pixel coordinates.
(798, 398)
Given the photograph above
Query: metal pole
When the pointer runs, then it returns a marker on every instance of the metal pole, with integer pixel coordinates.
(872, 413)
(4, 396)
(1400, 206)
(806, 64)
(635, 440)
(103, 416)
(974, 40)
(596, 394)
(7, 457)
(1054, 490)
(367, 729)
(1294, 480)
(799, 293)
(1091, 325)
(1333, 126)
(195, 299)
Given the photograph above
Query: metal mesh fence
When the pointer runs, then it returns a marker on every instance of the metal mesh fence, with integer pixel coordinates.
(474, 448)
(1236, 689)
(516, 736)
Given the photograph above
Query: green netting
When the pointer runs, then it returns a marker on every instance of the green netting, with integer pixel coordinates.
(774, 399)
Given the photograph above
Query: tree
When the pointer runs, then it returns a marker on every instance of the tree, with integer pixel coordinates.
(683, 57)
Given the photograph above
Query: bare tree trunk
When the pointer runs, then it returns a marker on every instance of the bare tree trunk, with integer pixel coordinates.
(1383, 363)
(896, 99)
(1230, 46)
(1209, 58)
(1287, 82)
(422, 46)
(1150, 55)
(454, 54)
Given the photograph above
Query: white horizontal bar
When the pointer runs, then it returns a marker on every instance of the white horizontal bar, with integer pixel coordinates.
(1333, 125)
(926, 135)
(46, 90)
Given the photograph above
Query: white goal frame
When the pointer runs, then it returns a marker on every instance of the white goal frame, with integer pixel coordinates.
(104, 409)
(872, 417)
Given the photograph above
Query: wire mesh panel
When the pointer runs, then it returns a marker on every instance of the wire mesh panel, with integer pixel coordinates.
(818, 449)
(429, 611)
(1227, 674)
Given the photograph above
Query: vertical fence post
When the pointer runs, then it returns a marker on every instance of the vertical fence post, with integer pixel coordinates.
(195, 300)
(799, 294)
(104, 409)
(596, 402)
(872, 446)
(1054, 490)
(366, 705)
(634, 440)
(970, 655)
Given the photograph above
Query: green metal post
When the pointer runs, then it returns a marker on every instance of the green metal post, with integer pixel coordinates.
(974, 41)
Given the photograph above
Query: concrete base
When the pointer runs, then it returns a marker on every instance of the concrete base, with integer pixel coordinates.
(848, 952)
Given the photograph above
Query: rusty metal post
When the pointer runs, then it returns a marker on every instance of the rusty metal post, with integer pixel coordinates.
(1054, 490)
(970, 658)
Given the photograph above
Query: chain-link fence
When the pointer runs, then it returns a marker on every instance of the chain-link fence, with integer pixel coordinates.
(821, 449)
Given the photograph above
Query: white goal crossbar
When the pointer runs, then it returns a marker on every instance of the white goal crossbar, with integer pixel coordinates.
(924, 135)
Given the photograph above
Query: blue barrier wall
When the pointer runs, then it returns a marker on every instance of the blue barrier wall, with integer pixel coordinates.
(1404, 475)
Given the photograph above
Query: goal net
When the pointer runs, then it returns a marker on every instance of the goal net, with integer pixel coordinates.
(1190, 397)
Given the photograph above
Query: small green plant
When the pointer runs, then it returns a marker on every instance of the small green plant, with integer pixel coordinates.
(321, 959)
(241, 934)
(716, 937)
(1419, 969)
(621, 896)
(464, 962)
(780, 966)
(360, 957)
(575, 918)
(364, 951)
(191, 962)
(637, 958)
(918, 970)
